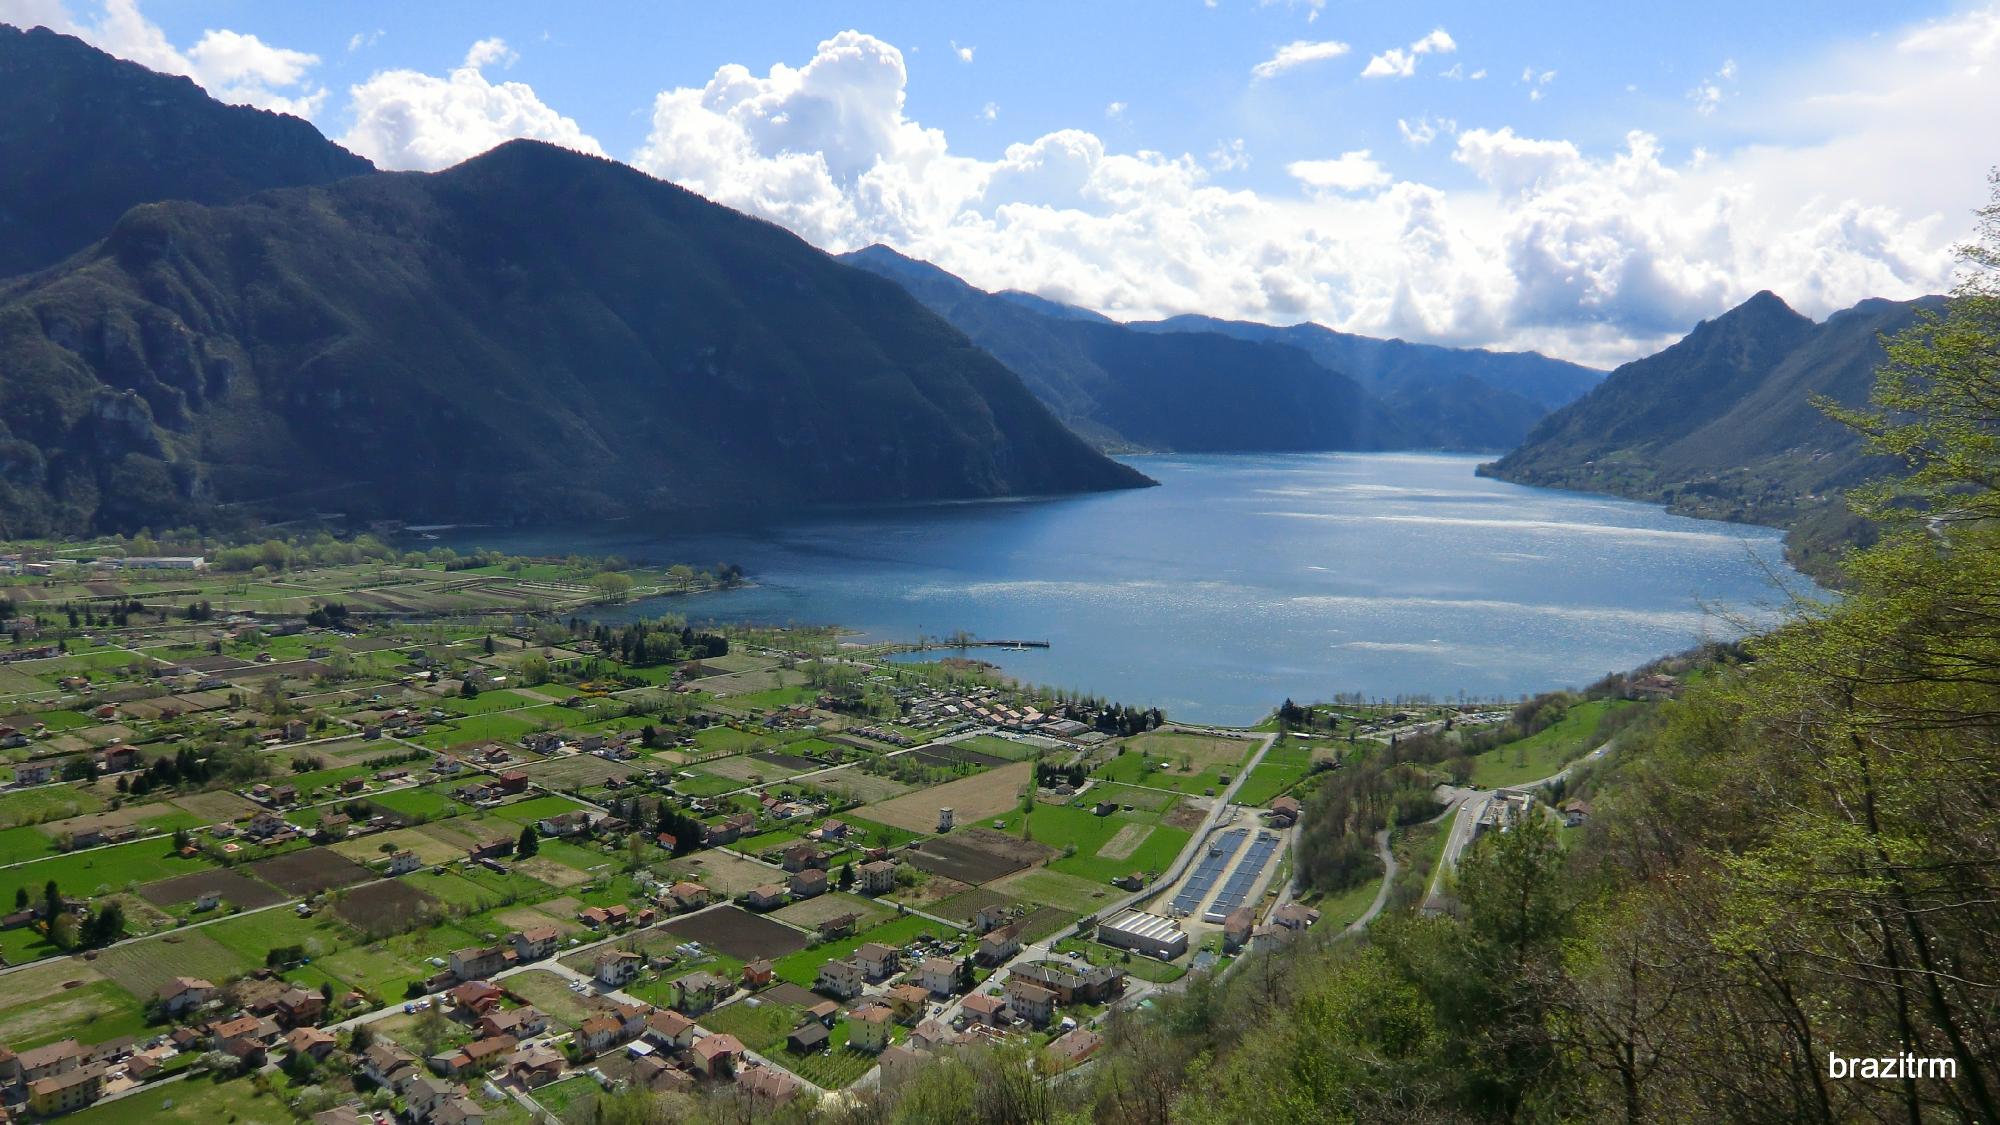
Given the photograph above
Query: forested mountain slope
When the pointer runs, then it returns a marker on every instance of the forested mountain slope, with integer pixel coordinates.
(533, 334)
(84, 137)
(1194, 383)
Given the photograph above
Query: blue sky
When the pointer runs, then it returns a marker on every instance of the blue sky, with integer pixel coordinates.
(1586, 179)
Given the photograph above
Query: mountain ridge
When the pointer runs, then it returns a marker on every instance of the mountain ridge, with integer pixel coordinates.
(1721, 424)
(532, 334)
(1413, 395)
(86, 137)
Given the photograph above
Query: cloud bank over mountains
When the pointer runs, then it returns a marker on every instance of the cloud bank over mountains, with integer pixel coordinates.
(1535, 242)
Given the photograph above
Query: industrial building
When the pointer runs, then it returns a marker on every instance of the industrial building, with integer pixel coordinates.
(1145, 933)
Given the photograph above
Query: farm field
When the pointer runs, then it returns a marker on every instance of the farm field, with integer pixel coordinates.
(859, 785)
(141, 967)
(394, 905)
(48, 802)
(1284, 766)
(91, 1013)
(310, 871)
(577, 771)
(429, 849)
(234, 888)
(738, 933)
(977, 855)
(975, 798)
(113, 868)
(810, 913)
(1056, 888)
(720, 871)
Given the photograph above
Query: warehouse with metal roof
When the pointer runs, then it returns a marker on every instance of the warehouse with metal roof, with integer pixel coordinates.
(1145, 933)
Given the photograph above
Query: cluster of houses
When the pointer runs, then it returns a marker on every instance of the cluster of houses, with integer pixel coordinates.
(667, 1052)
(267, 1016)
(1240, 927)
(984, 706)
(67, 1075)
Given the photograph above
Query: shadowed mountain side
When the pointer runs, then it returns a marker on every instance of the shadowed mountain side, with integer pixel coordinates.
(85, 137)
(532, 334)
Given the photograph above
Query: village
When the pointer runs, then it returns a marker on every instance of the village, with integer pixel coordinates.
(361, 843)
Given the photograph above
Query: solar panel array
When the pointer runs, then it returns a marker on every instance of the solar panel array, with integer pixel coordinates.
(1209, 871)
(1261, 850)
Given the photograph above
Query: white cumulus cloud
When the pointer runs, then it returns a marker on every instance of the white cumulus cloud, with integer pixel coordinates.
(1593, 255)
(1350, 171)
(407, 119)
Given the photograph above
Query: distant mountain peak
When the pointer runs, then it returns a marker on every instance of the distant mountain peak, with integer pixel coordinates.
(1723, 422)
(1325, 390)
(1760, 307)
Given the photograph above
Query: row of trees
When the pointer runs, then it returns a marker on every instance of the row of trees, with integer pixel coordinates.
(73, 930)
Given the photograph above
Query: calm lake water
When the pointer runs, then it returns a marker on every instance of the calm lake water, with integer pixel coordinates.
(1245, 579)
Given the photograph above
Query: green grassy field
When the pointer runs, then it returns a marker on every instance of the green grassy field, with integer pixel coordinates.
(694, 781)
(802, 968)
(420, 803)
(866, 833)
(1544, 753)
(1066, 826)
(50, 802)
(114, 868)
(1283, 767)
(1139, 769)
(484, 703)
(1055, 888)
(1338, 911)
(253, 935)
(91, 1014)
(506, 727)
(18, 845)
(760, 1024)
(831, 1069)
(536, 808)
(728, 739)
(195, 1099)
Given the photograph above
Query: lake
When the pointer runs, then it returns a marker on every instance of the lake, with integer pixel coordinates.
(1245, 579)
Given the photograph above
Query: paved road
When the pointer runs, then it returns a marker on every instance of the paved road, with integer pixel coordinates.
(1471, 803)
(1388, 857)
